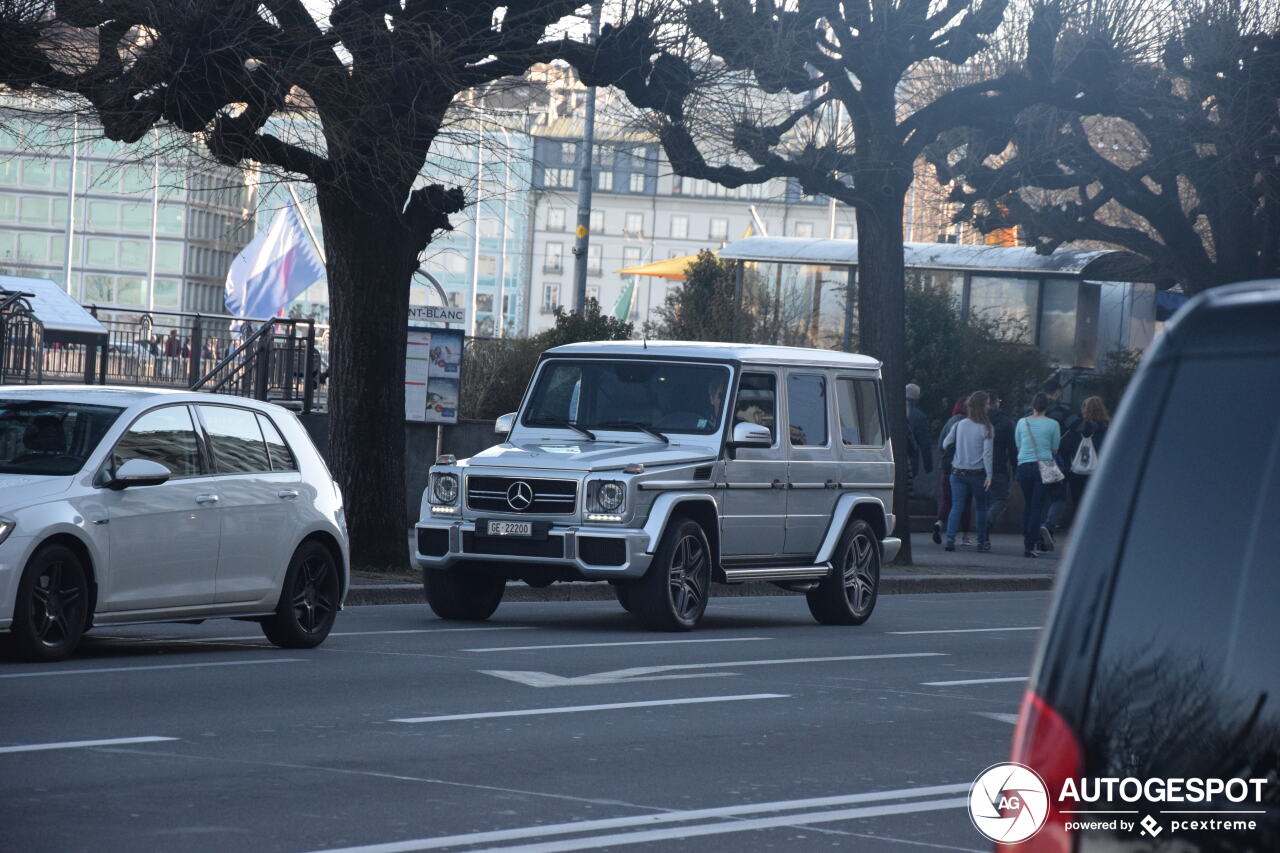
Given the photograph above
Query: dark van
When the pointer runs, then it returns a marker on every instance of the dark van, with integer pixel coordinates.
(1160, 662)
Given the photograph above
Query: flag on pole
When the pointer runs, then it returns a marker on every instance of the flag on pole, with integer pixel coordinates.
(274, 269)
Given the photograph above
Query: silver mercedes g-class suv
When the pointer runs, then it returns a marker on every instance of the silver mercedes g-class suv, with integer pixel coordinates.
(661, 467)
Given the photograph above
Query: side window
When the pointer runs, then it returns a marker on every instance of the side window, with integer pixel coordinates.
(166, 436)
(757, 401)
(279, 453)
(807, 409)
(236, 441)
(859, 412)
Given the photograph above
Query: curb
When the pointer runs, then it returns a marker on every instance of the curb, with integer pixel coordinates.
(411, 593)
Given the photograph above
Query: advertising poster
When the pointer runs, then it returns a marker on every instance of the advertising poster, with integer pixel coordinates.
(433, 375)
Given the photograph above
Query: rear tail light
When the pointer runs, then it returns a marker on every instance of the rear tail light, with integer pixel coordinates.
(1044, 742)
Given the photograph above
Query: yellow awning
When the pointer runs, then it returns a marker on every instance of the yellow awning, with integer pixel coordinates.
(672, 268)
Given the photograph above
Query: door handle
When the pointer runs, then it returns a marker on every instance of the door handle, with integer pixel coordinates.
(206, 499)
(832, 484)
(778, 484)
(287, 494)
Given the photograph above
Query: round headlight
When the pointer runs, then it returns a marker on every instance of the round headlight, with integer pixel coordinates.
(446, 488)
(609, 496)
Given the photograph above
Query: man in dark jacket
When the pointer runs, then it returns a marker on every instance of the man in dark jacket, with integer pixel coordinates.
(1004, 458)
(920, 442)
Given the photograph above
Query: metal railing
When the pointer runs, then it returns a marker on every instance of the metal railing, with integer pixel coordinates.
(277, 362)
(21, 334)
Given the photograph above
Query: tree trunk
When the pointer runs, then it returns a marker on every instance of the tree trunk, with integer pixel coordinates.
(370, 262)
(882, 332)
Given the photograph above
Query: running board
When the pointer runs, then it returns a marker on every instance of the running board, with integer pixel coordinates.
(777, 573)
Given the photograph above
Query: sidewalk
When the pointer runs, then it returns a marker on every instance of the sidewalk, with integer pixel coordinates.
(1002, 569)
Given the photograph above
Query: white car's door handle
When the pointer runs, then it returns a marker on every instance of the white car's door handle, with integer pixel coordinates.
(287, 494)
(206, 499)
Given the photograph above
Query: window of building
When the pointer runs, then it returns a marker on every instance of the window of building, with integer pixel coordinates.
(104, 215)
(1013, 302)
(604, 180)
(8, 208)
(169, 257)
(57, 250)
(630, 256)
(719, 228)
(129, 291)
(558, 177)
(550, 298)
(104, 177)
(568, 152)
(9, 173)
(99, 288)
(37, 173)
(169, 219)
(35, 210)
(593, 292)
(166, 436)
(804, 229)
(634, 226)
(102, 253)
(595, 258)
(555, 219)
(135, 217)
(844, 232)
(8, 246)
(807, 409)
(166, 292)
(133, 254)
(680, 227)
(455, 298)
(637, 182)
(137, 180)
(33, 248)
(859, 405)
(236, 440)
(597, 222)
(555, 258)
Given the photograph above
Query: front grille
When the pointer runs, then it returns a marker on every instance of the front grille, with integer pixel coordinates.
(547, 497)
(552, 546)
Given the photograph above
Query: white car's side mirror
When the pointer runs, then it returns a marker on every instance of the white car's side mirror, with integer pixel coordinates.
(505, 423)
(751, 435)
(138, 472)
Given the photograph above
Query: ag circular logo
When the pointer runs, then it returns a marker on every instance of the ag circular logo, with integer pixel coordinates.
(1008, 803)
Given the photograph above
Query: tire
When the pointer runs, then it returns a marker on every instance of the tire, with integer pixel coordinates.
(672, 595)
(461, 594)
(308, 600)
(624, 591)
(847, 596)
(50, 612)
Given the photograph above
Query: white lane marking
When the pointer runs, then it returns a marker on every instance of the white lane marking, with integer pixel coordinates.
(677, 817)
(974, 681)
(1011, 719)
(966, 630)
(575, 709)
(582, 826)
(607, 645)
(141, 668)
(173, 639)
(80, 744)
(648, 673)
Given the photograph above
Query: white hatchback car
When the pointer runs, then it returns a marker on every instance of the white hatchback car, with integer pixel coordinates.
(122, 505)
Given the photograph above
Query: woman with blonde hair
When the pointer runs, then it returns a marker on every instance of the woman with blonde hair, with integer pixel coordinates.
(971, 468)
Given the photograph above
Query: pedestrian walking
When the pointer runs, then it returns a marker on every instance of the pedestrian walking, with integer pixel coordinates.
(1055, 503)
(919, 441)
(1004, 462)
(971, 468)
(1094, 421)
(1038, 437)
(958, 413)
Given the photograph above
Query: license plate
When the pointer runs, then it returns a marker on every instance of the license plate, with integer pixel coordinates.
(509, 528)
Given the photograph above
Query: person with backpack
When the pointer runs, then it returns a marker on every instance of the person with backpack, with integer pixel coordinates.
(1038, 437)
(971, 441)
(1055, 498)
(958, 413)
(1085, 445)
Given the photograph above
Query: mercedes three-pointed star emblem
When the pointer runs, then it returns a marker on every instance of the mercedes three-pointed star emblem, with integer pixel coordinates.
(519, 496)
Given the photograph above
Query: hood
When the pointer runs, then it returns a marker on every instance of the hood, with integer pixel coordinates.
(589, 455)
(22, 490)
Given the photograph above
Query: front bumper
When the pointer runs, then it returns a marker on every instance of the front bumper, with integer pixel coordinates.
(591, 552)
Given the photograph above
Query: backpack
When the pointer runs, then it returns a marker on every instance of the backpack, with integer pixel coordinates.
(1086, 459)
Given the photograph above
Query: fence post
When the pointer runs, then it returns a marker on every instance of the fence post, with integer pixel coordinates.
(263, 366)
(310, 370)
(197, 351)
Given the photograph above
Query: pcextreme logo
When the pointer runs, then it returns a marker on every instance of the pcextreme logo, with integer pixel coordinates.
(1008, 803)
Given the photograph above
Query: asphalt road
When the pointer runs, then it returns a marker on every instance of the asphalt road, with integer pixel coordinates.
(760, 731)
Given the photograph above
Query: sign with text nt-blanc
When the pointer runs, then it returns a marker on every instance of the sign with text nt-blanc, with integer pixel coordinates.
(433, 375)
(436, 315)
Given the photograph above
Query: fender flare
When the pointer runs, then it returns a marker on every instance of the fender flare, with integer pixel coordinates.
(662, 509)
(840, 517)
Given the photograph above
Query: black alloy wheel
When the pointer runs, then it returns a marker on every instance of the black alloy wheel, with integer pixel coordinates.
(847, 596)
(51, 606)
(672, 595)
(308, 601)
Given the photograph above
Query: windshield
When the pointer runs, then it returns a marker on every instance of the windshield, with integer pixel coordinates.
(54, 439)
(629, 395)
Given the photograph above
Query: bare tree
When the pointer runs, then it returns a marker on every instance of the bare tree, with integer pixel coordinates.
(375, 80)
(1170, 148)
(829, 95)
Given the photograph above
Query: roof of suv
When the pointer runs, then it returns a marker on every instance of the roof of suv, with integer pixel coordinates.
(746, 353)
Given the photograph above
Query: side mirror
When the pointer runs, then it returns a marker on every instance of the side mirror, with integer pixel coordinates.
(138, 472)
(505, 423)
(750, 435)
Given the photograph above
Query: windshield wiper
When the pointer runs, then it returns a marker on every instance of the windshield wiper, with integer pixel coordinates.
(636, 426)
(564, 425)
